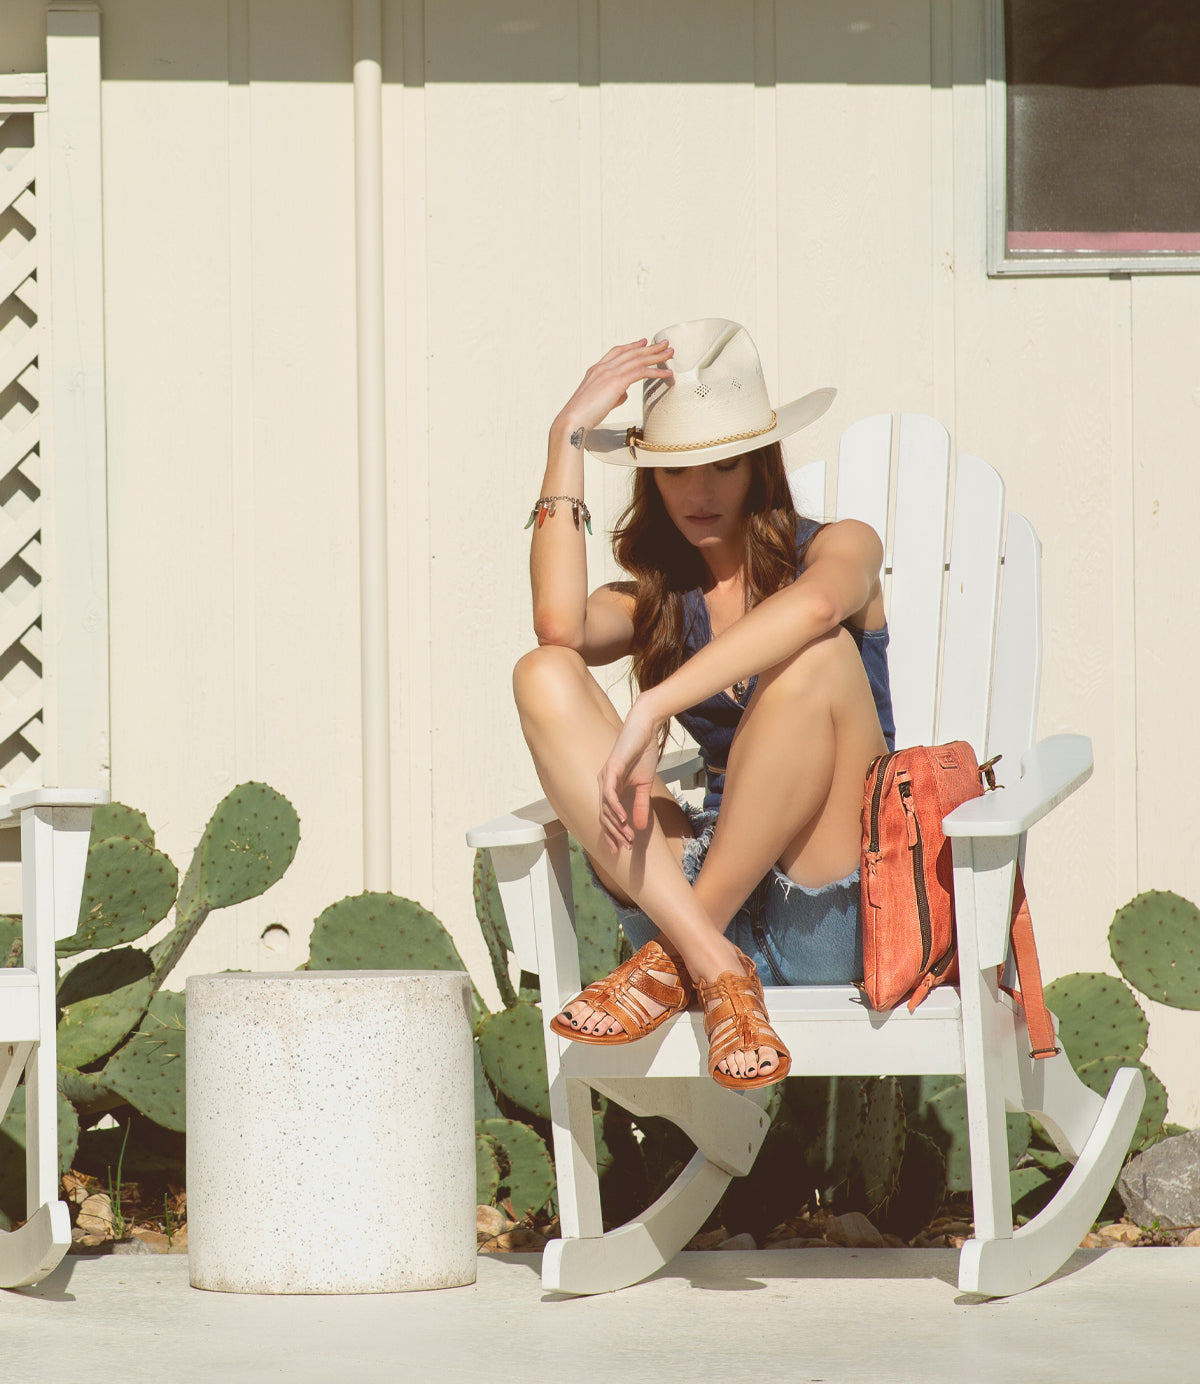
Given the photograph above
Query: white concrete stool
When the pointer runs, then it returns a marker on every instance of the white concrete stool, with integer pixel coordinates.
(330, 1131)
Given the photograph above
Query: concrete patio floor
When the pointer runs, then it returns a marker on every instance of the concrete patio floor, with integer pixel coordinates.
(838, 1316)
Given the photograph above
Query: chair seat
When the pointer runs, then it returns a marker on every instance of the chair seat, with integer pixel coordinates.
(830, 1030)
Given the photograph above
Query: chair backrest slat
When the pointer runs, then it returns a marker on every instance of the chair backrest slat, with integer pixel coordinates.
(971, 590)
(918, 550)
(1018, 676)
(951, 619)
(864, 462)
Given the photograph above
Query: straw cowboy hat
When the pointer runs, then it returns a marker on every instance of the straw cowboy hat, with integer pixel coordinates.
(715, 407)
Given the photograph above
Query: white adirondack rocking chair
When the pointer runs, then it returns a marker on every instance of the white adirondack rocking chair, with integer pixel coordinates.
(55, 824)
(980, 612)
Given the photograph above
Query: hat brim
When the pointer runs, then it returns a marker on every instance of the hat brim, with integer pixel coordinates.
(609, 444)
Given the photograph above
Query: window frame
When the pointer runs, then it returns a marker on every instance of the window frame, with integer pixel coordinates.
(1043, 262)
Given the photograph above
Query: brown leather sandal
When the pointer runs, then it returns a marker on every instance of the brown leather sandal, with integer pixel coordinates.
(735, 1019)
(620, 996)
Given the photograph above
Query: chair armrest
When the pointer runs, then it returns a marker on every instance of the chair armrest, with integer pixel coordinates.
(12, 804)
(537, 822)
(1050, 771)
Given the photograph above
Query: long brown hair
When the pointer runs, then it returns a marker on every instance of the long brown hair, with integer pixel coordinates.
(663, 564)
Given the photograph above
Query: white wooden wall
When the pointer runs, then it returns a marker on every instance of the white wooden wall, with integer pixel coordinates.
(561, 174)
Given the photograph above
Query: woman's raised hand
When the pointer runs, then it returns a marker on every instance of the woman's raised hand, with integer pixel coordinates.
(630, 767)
(609, 381)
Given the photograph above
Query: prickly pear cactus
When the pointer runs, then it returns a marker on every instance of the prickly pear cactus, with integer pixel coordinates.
(1155, 941)
(149, 1070)
(492, 923)
(514, 1056)
(246, 847)
(487, 1168)
(101, 1000)
(10, 940)
(1099, 1073)
(879, 1146)
(12, 1153)
(527, 1179)
(940, 1113)
(383, 932)
(1097, 1017)
(129, 886)
(115, 819)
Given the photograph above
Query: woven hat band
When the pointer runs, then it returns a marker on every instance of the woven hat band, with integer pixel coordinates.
(634, 439)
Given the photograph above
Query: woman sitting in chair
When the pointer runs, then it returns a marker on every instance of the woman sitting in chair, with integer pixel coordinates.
(763, 633)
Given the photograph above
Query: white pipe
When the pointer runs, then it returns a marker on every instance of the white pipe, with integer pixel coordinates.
(372, 444)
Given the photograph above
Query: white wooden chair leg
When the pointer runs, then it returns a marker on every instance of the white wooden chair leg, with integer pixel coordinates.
(642, 1246)
(1038, 1249)
(575, 1169)
(29, 1254)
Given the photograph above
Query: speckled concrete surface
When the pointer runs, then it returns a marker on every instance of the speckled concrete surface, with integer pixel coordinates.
(1122, 1316)
(330, 1120)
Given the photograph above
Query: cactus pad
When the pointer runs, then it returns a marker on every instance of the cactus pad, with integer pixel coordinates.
(513, 1050)
(12, 1152)
(148, 1071)
(115, 819)
(10, 940)
(485, 1101)
(129, 886)
(879, 1146)
(487, 1168)
(247, 846)
(1155, 941)
(1097, 1017)
(527, 1180)
(942, 1117)
(101, 1000)
(1099, 1073)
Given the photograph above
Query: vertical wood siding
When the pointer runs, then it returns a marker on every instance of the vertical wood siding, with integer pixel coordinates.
(559, 175)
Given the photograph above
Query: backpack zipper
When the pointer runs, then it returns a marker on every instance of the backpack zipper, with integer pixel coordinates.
(879, 764)
(918, 860)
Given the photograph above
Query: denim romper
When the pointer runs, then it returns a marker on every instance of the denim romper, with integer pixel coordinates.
(794, 934)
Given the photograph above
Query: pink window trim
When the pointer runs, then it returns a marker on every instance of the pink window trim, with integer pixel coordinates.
(1117, 242)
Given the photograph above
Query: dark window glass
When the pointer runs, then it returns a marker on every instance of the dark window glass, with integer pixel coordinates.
(1103, 126)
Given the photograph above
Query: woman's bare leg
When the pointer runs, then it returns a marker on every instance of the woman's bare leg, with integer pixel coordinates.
(794, 781)
(570, 726)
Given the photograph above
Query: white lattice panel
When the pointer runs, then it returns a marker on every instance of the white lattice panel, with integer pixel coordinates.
(21, 695)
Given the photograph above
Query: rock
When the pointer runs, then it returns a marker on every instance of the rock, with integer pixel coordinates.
(132, 1247)
(1092, 1241)
(1163, 1184)
(1192, 1239)
(801, 1242)
(854, 1231)
(743, 1241)
(894, 1241)
(710, 1239)
(1119, 1233)
(489, 1221)
(95, 1216)
(519, 1240)
(152, 1239)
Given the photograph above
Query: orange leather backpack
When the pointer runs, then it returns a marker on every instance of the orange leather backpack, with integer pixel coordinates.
(909, 943)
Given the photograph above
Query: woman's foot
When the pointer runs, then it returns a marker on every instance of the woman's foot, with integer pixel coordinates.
(639, 996)
(744, 1050)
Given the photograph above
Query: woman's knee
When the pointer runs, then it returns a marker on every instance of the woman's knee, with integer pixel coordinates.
(818, 670)
(546, 678)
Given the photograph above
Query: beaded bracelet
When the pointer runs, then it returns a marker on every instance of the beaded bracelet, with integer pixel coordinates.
(549, 503)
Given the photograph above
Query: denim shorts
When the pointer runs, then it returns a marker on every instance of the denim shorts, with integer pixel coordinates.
(795, 935)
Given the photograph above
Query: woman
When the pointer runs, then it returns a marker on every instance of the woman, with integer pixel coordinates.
(764, 634)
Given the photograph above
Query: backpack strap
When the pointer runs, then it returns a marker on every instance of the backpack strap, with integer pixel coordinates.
(1029, 977)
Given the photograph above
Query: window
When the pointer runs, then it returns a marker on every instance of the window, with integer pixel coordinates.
(1093, 136)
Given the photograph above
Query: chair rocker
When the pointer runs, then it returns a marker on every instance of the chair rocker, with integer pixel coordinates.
(975, 616)
(55, 825)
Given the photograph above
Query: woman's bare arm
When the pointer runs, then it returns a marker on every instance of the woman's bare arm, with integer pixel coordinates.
(598, 627)
(840, 582)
